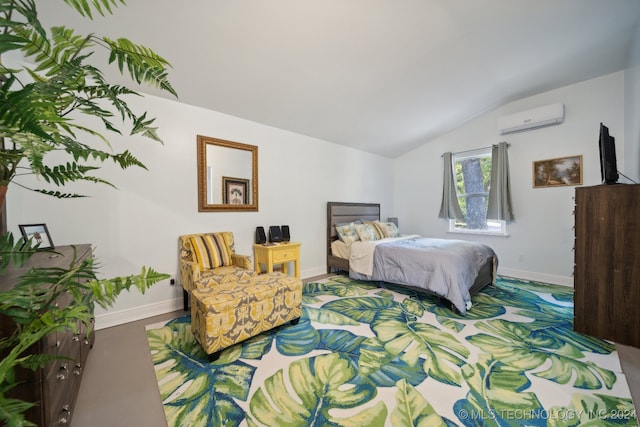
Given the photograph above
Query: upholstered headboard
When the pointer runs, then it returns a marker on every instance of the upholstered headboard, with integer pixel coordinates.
(342, 212)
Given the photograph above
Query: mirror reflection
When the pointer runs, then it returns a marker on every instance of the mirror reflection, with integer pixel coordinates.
(227, 175)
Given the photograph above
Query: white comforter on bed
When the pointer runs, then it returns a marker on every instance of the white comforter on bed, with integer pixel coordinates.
(361, 253)
(446, 267)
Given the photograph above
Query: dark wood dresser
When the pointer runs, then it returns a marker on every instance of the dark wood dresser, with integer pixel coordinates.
(56, 385)
(607, 262)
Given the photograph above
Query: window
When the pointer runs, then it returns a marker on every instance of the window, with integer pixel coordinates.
(472, 173)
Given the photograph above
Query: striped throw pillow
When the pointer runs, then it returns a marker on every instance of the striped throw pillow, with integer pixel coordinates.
(367, 232)
(210, 250)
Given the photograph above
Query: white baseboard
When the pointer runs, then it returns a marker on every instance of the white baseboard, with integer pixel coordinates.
(115, 318)
(313, 272)
(538, 277)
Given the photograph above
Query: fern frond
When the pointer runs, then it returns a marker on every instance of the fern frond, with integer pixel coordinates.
(81, 151)
(84, 152)
(142, 63)
(126, 160)
(161, 78)
(101, 6)
(58, 194)
(33, 148)
(64, 46)
(21, 108)
(12, 410)
(71, 172)
(37, 45)
(9, 42)
(106, 291)
(34, 361)
(27, 9)
(12, 251)
(15, 9)
(112, 93)
(142, 126)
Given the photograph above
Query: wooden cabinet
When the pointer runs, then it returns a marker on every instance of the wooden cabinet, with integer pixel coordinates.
(279, 253)
(607, 262)
(56, 385)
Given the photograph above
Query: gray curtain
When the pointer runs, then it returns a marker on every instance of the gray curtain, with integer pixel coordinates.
(500, 192)
(450, 208)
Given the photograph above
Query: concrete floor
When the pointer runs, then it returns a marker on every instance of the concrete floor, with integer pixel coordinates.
(119, 384)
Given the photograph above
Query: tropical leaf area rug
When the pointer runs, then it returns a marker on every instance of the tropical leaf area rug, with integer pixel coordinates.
(367, 355)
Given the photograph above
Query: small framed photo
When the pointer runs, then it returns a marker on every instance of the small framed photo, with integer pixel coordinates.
(38, 233)
(557, 172)
(235, 191)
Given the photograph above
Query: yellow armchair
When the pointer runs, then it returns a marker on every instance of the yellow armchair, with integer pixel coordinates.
(209, 259)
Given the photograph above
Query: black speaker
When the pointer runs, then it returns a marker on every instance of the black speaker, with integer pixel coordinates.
(275, 234)
(286, 236)
(261, 237)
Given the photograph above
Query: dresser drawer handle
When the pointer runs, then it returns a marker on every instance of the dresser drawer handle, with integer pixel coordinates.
(66, 410)
(62, 372)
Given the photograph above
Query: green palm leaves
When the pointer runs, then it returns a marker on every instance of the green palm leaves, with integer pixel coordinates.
(196, 393)
(321, 385)
(383, 358)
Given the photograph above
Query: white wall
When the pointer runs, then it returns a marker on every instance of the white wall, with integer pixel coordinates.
(139, 223)
(632, 110)
(540, 241)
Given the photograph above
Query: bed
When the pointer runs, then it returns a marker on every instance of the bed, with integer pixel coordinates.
(448, 268)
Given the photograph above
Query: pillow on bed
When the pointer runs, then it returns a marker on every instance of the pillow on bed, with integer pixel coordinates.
(367, 232)
(347, 233)
(389, 229)
(377, 225)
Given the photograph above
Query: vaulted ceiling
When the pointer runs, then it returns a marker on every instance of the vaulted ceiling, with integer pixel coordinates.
(384, 76)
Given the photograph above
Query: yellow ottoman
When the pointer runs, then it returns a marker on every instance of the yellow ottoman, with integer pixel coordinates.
(228, 313)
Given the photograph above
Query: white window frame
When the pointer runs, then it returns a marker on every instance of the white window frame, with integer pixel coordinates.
(495, 227)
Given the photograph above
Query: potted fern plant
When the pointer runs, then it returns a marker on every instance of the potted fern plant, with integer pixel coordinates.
(37, 104)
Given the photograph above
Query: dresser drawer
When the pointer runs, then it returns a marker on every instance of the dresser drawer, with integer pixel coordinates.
(62, 380)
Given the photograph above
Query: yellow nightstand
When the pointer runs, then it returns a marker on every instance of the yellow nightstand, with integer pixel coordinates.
(279, 253)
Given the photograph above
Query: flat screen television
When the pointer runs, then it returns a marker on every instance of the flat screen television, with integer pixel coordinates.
(608, 162)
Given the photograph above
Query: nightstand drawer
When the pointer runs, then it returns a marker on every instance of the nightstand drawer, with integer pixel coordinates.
(286, 255)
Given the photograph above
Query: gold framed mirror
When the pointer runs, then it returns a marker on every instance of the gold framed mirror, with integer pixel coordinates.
(227, 175)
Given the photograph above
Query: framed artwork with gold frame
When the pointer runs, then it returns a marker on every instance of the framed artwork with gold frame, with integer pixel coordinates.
(558, 172)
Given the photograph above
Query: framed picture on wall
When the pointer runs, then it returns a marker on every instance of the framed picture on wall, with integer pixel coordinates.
(38, 233)
(557, 172)
(235, 191)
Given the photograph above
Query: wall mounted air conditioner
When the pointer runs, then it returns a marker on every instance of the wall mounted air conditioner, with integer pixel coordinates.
(530, 119)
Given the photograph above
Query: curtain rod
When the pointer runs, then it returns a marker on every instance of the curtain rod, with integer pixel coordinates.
(476, 149)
